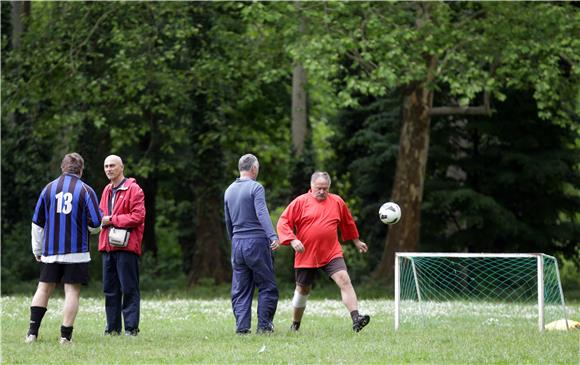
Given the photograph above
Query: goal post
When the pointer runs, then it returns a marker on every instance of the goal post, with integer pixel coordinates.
(522, 280)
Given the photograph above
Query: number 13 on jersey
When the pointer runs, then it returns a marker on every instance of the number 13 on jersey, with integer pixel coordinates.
(64, 202)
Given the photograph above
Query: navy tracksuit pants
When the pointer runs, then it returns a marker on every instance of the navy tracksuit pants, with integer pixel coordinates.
(253, 267)
(121, 288)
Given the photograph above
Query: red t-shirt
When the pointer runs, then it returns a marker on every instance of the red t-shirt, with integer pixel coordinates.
(315, 223)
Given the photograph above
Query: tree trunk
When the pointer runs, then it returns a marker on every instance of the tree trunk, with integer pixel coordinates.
(149, 186)
(302, 151)
(19, 16)
(185, 191)
(150, 147)
(19, 12)
(299, 109)
(299, 96)
(409, 179)
(209, 259)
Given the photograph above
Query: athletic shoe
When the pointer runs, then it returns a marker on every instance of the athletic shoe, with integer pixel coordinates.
(133, 332)
(295, 326)
(30, 338)
(64, 341)
(112, 333)
(360, 322)
(264, 331)
(243, 332)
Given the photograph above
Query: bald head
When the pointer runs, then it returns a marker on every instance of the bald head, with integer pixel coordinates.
(114, 158)
(114, 169)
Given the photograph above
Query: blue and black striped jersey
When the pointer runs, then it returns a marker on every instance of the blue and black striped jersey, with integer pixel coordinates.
(65, 209)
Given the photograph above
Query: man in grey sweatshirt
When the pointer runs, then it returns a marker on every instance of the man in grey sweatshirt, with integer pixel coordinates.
(253, 239)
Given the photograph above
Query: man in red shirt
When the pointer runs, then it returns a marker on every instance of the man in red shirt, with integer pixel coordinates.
(309, 224)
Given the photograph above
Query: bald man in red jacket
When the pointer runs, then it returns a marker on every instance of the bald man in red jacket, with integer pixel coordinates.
(123, 206)
(309, 224)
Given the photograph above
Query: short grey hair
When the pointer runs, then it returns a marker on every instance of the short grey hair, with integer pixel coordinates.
(247, 161)
(72, 163)
(318, 174)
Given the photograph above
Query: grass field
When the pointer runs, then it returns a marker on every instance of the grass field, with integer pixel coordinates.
(181, 331)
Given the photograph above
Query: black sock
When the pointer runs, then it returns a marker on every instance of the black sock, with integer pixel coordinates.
(66, 332)
(36, 315)
(354, 315)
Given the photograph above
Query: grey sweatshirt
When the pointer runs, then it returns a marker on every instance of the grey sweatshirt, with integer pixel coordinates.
(246, 213)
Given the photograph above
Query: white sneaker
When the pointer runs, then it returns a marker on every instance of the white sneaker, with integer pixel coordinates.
(30, 338)
(64, 341)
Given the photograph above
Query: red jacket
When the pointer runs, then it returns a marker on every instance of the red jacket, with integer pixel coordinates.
(316, 223)
(128, 212)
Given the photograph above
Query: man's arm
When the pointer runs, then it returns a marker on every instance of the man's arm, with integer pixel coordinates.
(37, 234)
(347, 225)
(263, 214)
(93, 211)
(228, 221)
(136, 214)
(285, 227)
(348, 228)
(37, 229)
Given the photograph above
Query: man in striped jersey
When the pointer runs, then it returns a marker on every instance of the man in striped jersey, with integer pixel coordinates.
(66, 209)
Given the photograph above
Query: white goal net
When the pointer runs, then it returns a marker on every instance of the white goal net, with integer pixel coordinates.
(502, 285)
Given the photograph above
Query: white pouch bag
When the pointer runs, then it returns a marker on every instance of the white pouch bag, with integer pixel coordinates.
(119, 237)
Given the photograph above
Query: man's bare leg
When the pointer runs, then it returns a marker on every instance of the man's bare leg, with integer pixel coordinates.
(342, 279)
(299, 303)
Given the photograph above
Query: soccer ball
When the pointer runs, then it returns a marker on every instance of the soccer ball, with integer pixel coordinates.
(390, 213)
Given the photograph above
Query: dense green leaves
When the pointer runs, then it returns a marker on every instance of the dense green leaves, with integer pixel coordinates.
(499, 183)
(181, 89)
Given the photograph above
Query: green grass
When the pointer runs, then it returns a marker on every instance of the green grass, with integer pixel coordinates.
(180, 331)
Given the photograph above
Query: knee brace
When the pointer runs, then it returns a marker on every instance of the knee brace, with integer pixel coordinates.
(299, 300)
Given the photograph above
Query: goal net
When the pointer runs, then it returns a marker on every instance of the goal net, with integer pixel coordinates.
(495, 287)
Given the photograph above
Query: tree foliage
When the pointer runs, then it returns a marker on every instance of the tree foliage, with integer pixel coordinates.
(181, 89)
(466, 52)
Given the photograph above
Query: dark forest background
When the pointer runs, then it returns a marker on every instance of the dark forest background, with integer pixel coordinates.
(466, 114)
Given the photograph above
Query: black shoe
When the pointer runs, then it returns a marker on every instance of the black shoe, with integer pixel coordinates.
(295, 326)
(265, 331)
(360, 322)
(243, 332)
(112, 333)
(133, 332)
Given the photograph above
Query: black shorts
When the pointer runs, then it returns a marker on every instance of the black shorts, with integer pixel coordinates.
(305, 275)
(69, 273)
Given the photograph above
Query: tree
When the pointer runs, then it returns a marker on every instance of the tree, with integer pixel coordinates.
(242, 106)
(501, 183)
(469, 51)
(169, 87)
(118, 74)
(365, 141)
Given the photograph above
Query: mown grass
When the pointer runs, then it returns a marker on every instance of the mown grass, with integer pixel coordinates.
(182, 331)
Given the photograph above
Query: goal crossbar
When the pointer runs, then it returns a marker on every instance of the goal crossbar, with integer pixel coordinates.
(461, 254)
